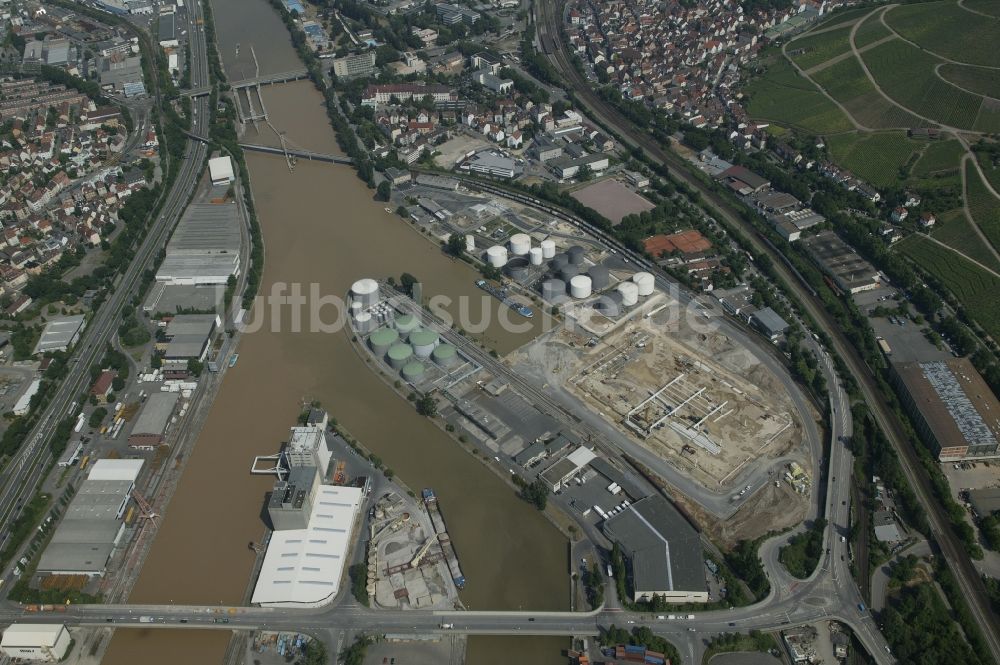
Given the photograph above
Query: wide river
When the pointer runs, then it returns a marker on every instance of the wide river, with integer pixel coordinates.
(322, 227)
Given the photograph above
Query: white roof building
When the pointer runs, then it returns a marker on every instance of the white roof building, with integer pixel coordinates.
(221, 170)
(303, 567)
(36, 641)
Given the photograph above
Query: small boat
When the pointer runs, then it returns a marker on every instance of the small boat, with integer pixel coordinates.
(233, 358)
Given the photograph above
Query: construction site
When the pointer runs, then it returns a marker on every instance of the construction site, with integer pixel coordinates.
(409, 562)
(696, 399)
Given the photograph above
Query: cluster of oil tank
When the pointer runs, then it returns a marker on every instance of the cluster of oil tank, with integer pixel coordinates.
(596, 279)
(397, 338)
(520, 256)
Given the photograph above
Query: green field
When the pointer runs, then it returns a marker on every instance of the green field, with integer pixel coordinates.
(876, 158)
(871, 31)
(975, 288)
(955, 230)
(906, 74)
(844, 16)
(991, 7)
(978, 80)
(948, 30)
(846, 82)
(811, 50)
(940, 156)
(992, 172)
(784, 97)
(985, 207)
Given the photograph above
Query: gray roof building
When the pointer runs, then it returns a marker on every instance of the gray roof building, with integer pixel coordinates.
(153, 419)
(92, 526)
(886, 530)
(985, 501)
(60, 333)
(189, 335)
(118, 69)
(167, 29)
(205, 246)
(769, 322)
(663, 549)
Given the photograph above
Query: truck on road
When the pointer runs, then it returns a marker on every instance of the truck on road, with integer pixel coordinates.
(145, 619)
(447, 625)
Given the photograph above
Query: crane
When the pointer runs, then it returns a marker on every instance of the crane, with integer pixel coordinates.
(145, 509)
(421, 553)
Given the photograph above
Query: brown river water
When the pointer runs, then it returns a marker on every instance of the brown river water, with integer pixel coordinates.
(321, 226)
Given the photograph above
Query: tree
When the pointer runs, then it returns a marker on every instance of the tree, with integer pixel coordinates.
(536, 493)
(455, 245)
(118, 384)
(427, 406)
(195, 367)
(384, 191)
(97, 417)
(406, 282)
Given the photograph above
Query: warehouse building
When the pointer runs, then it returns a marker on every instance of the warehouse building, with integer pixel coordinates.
(303, 567)
(221, 170)
(845, 266)
(166, 298)
(205, 246)
(118, 69)
(44, 642)
(167, 30)
(151, 425)
(663, 549)
(189, 336)
(92, 526)
(769, 322)
(954, 410)
(60, 333)
(562, 470)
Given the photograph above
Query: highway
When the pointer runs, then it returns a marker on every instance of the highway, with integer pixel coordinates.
(25, 472)
(549, 21)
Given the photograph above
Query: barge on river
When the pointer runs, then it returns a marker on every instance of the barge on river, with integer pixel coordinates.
(430, 502)
(501, 294)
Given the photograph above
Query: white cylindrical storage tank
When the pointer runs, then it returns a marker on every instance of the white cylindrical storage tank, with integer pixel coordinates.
(356, 308)
(548, 248)
(365, 323)
(520, 244)
(423, 342)
(497, 256)
(645, 281)
(579, 286)
(630, 293)
(470, 243)
(553, 288)
(365, 291)
(536, 255)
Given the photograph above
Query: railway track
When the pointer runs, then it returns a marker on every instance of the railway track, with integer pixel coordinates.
(548, 24)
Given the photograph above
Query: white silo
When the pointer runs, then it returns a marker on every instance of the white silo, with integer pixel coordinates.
(356, 308)
(645, 281)
(497, 256)
(365, 323)
(470, 243)
(548, 248)
(536, 256)
(520, 244)
(579, 286)
(365, 291)
(630, 293)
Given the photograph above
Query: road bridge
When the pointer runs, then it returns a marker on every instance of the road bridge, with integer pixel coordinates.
(302, 154)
